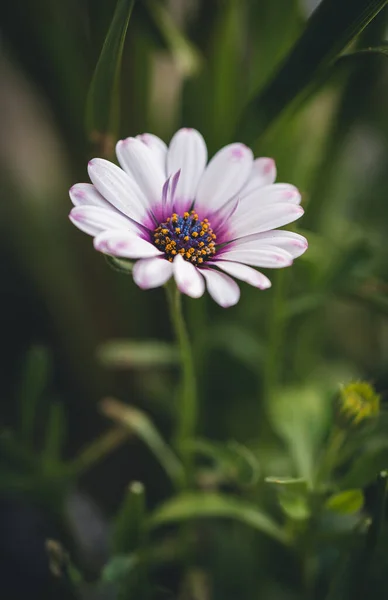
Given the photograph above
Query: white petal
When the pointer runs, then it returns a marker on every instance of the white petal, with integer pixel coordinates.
(158, 147)
(125, 244)
(119, 189)
(222, 288)
(269, 194)
(152, 272)
(263, 218)
(223, 178)
(294, 243)
(244, 273)
(188, 278)
(85, 194)
(140, 163)
(262, 256)
(188, 153)
(94, 219)
(263, 173)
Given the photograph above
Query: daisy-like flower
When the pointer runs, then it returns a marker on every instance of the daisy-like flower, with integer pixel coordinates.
(180, 217)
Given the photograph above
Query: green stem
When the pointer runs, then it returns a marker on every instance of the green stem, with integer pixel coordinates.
(275, 334)
(330, 457)
(188, 402)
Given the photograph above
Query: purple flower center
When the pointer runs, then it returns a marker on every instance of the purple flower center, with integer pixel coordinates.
(188, 236)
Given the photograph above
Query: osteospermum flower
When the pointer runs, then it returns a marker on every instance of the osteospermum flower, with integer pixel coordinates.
(180, 217)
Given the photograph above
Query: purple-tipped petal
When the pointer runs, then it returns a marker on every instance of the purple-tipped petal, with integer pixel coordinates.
(120, 190)
(188, 279)
(263, 256)
(124, 244)
(263, 173)
(152, 272)
(222, 288)
(223, 178)
(85, 194)
(94, 219)
(245, 273)
(188, 153)
(294, 243)
(263, 218)
(140, 163)
(157, 147)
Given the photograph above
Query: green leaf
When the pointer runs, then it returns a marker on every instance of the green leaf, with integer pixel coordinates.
(121, 265)
(294, 506)
(348, 502)
(365, 467)
(102, 111)
(55, 435)
(141, 425)
(294, 483)
(34, 381)
(135, 354)
(186, 55)
(301, 416)
(234, 461)
(197, 505)
(128, 530)
(119, 567)
(332, 26)
(364, 52)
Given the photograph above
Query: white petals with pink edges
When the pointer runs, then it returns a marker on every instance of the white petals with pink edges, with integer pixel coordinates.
(188, 154)
(93, 219)
(139, 161)
(118, 188)
(177, 217)
(124, 244)
(188, 278)
(263, 173)
(245, 273)
(222, 288)
(224, 177)
(151, 272)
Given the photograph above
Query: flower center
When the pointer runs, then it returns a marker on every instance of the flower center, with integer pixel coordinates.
(188, 236)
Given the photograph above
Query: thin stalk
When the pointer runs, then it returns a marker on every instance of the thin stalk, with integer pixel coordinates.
(187, 419)
(275, 334)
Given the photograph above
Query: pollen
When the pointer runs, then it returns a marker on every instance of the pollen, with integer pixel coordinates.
(186, 235)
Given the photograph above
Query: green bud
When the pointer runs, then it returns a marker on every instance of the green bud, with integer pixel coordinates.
(357, 403)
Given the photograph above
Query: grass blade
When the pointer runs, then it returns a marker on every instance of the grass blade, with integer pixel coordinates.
(103, 103)
(329, 30)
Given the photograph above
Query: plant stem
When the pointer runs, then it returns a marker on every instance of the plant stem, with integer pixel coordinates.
(188, 402)
(275, 333)
(330, 457)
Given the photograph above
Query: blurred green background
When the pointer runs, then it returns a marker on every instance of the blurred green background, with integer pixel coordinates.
(213, 65)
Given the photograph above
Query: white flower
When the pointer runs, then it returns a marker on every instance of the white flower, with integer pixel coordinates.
(178, 216)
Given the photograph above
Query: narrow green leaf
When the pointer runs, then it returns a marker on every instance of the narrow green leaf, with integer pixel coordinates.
(234, 461)
(198, 505)
(135, 354)
(55, 435)
(364, 52)
(141, 425)
(34, 381)
(332, 26)
(128, 530)
(347, 502)
(186, 55)
(294, 483)
(102, 111)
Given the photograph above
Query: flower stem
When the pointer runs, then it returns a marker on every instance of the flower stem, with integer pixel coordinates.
(273, 361)
(188, 402)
